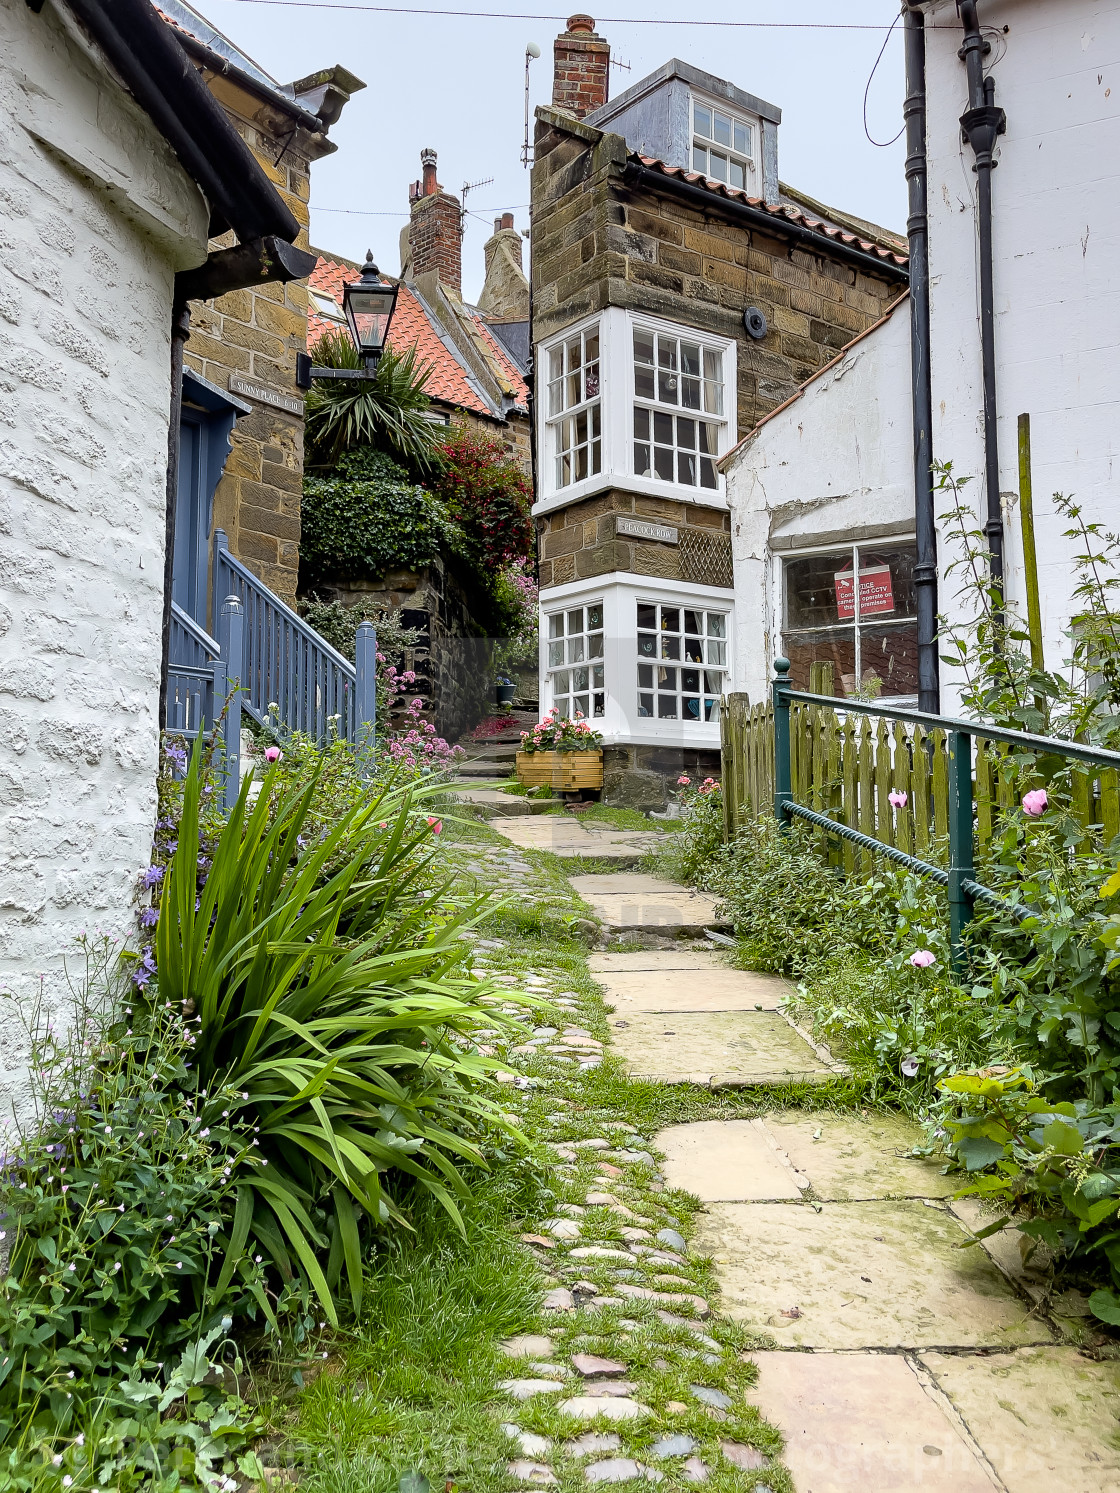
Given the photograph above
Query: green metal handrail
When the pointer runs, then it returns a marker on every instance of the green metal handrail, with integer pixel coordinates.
(959, 879)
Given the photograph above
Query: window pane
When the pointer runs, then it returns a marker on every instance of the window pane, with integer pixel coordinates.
(667, 707)
(643, 347)
(708, 474)
(886, 582)
(722, 128)
(575, 650)
(595, 615)
(644, 387)
(707, 438)
(743, 138)
(890, 655)
(641, 461)
(690, 680)
(810, 585)
(736, 176)
(645, 676)
(596, 457)
(597, 676)
(699, 159)
(555, 654)
(647, 615)
(581, 704)
(599, 706)
(690, 358)
(717, 624)
(560, 683)
(692, 623)
(686, 434)
(580, 678)
(670, 619)
(556, 625)
(662, 464)
(667, 679)
(595, 645)
(555, 397)
(717, 166)
(686, 468)
(645, 705)
(556, 363)
(694, 650)
(641, 423)
(647, 645)
(662, 428)
(670, 647)
(690, 708)
(834, 645)
(717, 652)
(702, 120)
(575, 621)
(713, 681)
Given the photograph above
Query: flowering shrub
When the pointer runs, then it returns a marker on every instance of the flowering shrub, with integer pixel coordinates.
(415, 743)
(488, 497)
(701, 807)
(517, 595)
(556, 733)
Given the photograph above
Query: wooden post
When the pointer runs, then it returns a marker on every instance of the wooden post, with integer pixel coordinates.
(231, 642)
(960, 842)
(1030, 555)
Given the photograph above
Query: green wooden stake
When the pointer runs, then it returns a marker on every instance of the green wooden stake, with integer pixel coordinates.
(1030, 554)
(783, 773)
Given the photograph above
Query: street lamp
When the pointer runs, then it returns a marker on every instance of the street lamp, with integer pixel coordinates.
(368, 306)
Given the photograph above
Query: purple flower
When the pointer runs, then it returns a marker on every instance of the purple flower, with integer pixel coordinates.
(921, 958)
(1035, 802)
(177, 755)
(144, 970)
(152, 876)
(149, 917)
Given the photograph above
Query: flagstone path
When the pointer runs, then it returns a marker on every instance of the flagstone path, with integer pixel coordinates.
(899, 1355)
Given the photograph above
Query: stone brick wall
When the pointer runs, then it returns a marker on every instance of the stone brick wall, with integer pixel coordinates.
(599, 242)
(258, 332)
(98, 216)
(581, 541)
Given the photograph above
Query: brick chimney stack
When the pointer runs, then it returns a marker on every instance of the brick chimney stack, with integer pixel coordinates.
(435, 232)
(581, 76)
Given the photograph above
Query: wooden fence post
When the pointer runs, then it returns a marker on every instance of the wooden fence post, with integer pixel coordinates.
(231, 642)
(961, 866)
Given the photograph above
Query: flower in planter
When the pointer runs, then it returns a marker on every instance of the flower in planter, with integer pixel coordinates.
(922, 958)
(1035, 802)
(897, 799)
(683, 781)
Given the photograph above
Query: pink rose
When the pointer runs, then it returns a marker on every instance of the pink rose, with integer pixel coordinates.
(896, 799)
(683, 782)
(1035, 802)
(920, 958)
(273, 754)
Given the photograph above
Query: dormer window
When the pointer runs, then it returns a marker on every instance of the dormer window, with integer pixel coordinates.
(722, 145)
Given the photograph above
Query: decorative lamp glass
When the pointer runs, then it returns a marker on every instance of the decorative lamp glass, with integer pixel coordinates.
(368, 304)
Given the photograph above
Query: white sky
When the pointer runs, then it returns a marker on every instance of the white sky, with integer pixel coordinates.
(457, 85)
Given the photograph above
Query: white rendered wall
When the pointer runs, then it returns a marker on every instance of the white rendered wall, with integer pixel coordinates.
(836, 464)
(1057, 291)
(95, 217)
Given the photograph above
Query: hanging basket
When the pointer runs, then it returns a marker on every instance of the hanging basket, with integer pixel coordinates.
(564, 771)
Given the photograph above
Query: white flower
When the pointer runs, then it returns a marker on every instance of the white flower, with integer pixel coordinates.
(57, 1459)
(67, 1480)
(79, 1439)
(205, 1133)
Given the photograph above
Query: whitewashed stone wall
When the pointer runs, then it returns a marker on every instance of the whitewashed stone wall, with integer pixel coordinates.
(835, 464)
(96, 215)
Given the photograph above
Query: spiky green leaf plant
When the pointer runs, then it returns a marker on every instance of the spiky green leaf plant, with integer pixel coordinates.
(388, 411)
(327, 987)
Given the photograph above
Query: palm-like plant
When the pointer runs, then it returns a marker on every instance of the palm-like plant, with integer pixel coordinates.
(387, 411)
(326, 987)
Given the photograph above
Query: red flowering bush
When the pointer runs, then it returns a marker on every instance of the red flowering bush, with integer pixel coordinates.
(486, 494)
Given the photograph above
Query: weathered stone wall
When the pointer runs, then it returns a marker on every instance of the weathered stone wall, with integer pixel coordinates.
(640, 777)
(258, 332)
(598, 242)
(581, 541)
(98, 215)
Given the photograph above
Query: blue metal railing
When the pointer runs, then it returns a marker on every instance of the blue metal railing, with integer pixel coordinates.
(203, 695)
(288, 666)
(959, 877)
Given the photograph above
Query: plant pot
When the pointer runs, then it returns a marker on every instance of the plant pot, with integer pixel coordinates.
(565, 771)
(506, 693)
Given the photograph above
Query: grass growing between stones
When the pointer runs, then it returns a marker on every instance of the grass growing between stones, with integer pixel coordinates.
(416, 1384)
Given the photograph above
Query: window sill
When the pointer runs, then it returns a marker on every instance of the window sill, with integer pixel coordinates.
(670, 492)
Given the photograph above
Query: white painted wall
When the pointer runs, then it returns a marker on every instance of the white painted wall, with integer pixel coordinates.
(96, 214)
(836, 463)
(1057, 292)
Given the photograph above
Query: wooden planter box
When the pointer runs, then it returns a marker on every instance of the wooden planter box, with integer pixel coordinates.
(566, 772)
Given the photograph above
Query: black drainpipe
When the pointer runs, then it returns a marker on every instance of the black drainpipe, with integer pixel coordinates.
(180, 331)
(981, 122)
(917, 231)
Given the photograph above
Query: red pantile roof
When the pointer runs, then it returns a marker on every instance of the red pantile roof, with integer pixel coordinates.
(783, 210)
(411, 326)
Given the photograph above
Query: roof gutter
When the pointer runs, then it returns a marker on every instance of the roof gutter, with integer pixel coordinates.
(214, 62)
(165, 83)
(636, 175)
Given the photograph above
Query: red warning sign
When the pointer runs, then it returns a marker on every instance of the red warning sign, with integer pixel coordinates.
(875, 595)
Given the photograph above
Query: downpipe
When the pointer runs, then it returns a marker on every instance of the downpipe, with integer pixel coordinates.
(180, 331)
(981, 123)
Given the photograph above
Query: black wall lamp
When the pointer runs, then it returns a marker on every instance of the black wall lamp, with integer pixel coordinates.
(368, 307)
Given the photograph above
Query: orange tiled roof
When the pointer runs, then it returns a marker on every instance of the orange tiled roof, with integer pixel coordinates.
(449, 381)
(776, 210)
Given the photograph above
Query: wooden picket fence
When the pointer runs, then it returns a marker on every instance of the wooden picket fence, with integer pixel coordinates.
(845, 765)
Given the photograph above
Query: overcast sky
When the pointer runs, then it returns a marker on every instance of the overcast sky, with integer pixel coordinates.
(457, 85)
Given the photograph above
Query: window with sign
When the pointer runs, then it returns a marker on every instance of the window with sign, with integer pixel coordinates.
(682, 661)
(574, 408)
(575, 661)
(853, 609)
(678, 408)
(722, 144)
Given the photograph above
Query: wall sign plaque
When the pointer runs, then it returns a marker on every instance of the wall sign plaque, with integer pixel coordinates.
(251, 389)
(643, 528)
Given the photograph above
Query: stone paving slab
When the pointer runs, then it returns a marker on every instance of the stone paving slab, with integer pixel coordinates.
(568, 839)
(1046, 1418)
(723, 1161)
(635, 960)
(861, 1275)
(712, 989)
(745, 1047)
(503, 804)
(634, 902)
(847, 1159)
(864, 1424)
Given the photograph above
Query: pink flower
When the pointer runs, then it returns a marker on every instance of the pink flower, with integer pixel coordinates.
(897, 799)
(1034, 802)
(435, 825)
(920, 958)
(683, 782)
(273, 754)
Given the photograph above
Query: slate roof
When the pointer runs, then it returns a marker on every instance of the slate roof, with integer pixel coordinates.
(780, 210)
(451, 380)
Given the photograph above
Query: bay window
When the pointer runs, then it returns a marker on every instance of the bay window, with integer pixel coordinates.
(677, 383)
(682, 661)
(574, 407)
(575, 660)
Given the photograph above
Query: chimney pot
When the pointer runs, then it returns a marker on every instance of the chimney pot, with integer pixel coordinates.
(428, 163)
(497, 225)
(581, 24)
(435, 235)
(505, 221)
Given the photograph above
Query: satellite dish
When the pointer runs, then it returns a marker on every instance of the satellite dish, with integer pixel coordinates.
(532, 50)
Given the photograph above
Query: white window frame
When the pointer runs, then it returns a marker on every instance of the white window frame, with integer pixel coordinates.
(656, 405)
(617, 397)
(561, 423)
(575, 650)
(620, 592)
(669, 656)
(748, 160)
(853, 546)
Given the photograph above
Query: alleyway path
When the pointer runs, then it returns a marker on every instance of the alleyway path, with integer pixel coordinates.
(890, 1354)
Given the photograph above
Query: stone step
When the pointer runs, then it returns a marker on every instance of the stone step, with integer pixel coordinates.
(484, 768)
(500, 805)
